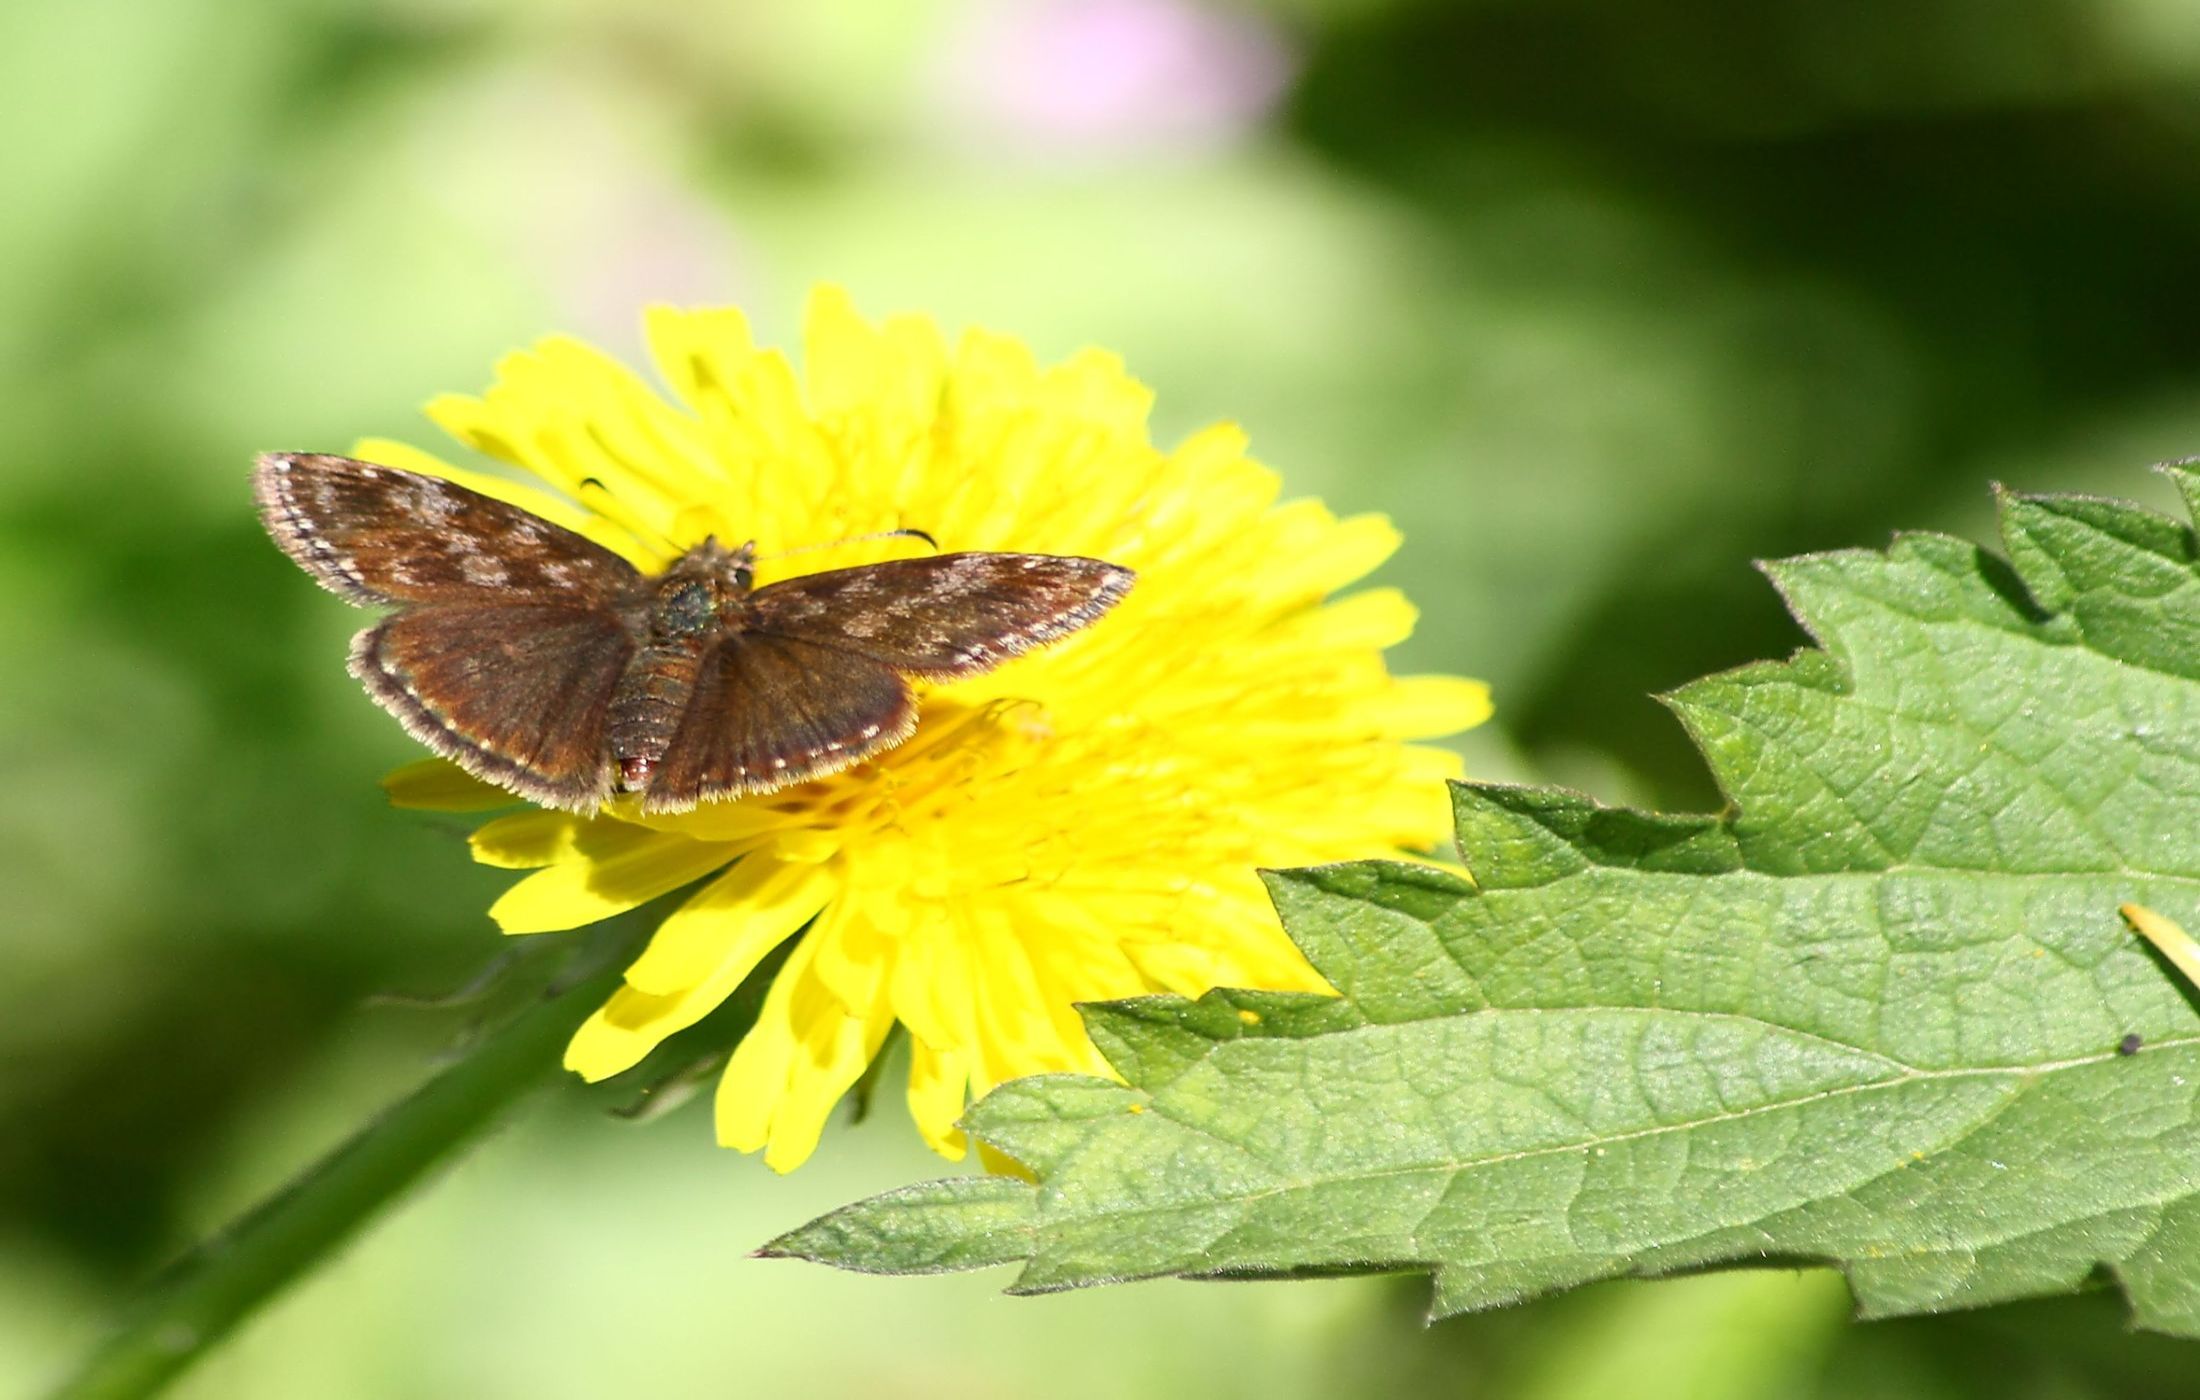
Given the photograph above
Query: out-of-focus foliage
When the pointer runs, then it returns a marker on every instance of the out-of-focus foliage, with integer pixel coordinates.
(1599, 299)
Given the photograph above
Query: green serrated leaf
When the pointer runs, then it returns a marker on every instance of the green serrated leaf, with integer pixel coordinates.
(1876, 1014)
(933, 1227)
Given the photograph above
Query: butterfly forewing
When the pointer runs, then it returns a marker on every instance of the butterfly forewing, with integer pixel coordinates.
(945, 616)
(769, 712)
(378, 535)
(514, 694)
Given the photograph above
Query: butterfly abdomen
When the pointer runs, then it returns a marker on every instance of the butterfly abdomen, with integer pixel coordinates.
(648, 705)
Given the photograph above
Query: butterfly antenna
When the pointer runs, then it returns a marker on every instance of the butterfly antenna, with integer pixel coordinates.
(856, 539)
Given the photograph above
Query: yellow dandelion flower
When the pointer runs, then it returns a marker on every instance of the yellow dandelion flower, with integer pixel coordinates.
(1083, 823)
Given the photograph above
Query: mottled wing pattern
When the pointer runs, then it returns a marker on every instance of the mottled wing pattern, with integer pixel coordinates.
(945, 616)
(374, 535)
(769, 712)
(515, 694)
(513, 636)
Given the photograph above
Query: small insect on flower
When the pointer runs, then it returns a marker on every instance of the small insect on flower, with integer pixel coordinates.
(1082, 823)
(540, 661)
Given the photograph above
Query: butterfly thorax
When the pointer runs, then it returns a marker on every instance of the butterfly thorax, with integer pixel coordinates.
(676, 617)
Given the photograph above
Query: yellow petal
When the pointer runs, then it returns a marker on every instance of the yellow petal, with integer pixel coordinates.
(635, 1020)
(1092, 385)
(1015, 1029)
(989, 372)
(531, 840)
(1351, 550)
(733, 921)
(697, 352)
(1429, 765)
(831, 1059)
(844, 360)
(853, 958)
(615, 867)
(1377, 618)
(915, 367)
(1429, 707)
(1408, 811)
(439, 785)
(939, 1086)
(1187, 969)
(756, 1076)
(930, 986)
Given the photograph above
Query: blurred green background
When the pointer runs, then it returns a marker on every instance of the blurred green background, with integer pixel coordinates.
(1601, 299)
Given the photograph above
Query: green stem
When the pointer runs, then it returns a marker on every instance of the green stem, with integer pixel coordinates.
(195, 1303)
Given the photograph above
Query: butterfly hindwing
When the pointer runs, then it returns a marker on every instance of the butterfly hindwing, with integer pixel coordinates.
(515, 694)
(768, 712)
(945, 616)
(377, 535)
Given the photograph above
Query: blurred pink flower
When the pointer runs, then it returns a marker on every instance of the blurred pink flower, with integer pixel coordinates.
(1112, 77)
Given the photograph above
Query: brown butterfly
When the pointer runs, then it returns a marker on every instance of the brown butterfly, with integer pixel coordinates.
(540, 661)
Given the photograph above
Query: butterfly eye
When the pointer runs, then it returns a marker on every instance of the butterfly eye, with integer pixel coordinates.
(744, 577)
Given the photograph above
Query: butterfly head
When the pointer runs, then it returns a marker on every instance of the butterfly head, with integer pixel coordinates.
(702, 590)
(733, 569)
